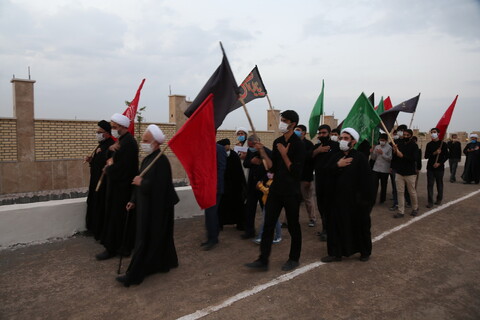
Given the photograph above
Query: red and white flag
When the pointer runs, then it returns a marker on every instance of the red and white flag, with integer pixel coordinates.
(131, 110)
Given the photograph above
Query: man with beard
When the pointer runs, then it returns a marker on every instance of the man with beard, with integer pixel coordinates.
(231, 209)
(471, 172)
(97, 160)
(119, 170)
(352, 197)
(321, 155)
(154, 198)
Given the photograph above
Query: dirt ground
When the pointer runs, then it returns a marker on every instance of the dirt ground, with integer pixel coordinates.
(427, 270)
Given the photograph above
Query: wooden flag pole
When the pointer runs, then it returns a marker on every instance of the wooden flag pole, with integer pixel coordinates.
(271, 108)
(99, 184)
(92, 153)
(253, 128)
(389, 135)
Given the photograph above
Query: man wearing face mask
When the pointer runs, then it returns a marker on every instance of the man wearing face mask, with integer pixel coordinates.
(334, 134)
(454, 156)
(256, 172)
(154, 198)
(286, 163)
(437, 153)
(406, 153)
(397, 140)
(232, 209)
(241, 134)
(119, 170)
(97, 160)
(471, 173)
(321, 154)
(307, 175)
(352, 197)
(382, 155)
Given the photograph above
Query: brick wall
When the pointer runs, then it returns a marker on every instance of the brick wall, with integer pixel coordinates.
(8, 140)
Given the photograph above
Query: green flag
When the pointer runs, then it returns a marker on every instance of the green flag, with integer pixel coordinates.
(363, 118)
(317, 111)
(380, 108)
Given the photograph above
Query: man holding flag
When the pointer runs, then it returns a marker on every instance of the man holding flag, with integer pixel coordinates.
(436, 152)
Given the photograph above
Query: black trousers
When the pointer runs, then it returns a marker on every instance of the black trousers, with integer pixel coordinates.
(383, 178)
(254, 196)
(435, 176)
(322, 203)
(211, 221)
(275, 204)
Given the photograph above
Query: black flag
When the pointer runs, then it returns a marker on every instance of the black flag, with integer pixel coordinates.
(251, 88)
(225, 93)
(389, 116)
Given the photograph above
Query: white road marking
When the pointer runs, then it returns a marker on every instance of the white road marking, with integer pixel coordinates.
(289, 276)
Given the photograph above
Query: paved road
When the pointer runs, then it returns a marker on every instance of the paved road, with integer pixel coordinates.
(429, 269)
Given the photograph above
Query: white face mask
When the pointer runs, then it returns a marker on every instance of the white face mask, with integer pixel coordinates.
(434, 136)
(228, 153)
(146, 147)
(344, 145)
(115, 133)
(395, 137)
(100, 137)
(282, 127)
(382, 143)
(400, 133)
(334, 138)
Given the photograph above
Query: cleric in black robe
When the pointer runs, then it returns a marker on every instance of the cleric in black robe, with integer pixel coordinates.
(471, 172)
(232, 203)
(97, 160)
(352, 196)
(154, 198)
(119, 171)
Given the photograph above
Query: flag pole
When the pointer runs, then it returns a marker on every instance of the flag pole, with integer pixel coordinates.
(411, 120)
(153, 161)
(92, 153)
(388, 132)
(253, 128)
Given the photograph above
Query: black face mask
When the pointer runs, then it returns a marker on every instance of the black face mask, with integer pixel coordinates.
(407, 139)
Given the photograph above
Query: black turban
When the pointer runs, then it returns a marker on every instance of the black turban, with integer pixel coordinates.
(105, 126)
(224, 142)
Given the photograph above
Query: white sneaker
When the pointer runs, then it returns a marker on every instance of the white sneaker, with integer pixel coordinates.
(257, 240)
(278, 240)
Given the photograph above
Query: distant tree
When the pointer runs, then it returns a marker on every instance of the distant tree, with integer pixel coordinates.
(140, 120)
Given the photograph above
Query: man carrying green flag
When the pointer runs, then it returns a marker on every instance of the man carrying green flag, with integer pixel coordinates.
(317, 112)
(363, 118)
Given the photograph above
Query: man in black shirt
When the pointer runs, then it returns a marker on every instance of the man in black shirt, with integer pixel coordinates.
(321, 154)
(307, 175)
(454, 155)
(436, 152)
(406, 153)
(287, 161)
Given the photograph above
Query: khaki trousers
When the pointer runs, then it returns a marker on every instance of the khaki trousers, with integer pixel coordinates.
(409, 182)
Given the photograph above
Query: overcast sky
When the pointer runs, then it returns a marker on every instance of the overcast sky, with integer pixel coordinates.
(89, 56)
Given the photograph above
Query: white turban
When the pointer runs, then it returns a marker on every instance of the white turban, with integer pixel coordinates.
(121, 120)
(242, 129)
(157, 133)
(473, 135)
(352, 132)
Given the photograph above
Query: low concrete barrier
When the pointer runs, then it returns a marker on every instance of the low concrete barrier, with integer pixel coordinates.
(42, 221)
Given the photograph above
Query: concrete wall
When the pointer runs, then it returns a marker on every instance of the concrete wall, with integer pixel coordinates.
(42, 221)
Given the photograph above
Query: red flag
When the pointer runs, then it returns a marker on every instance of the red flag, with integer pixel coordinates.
(442, 125)
(194, 145)
(387, 104)
(131, 110)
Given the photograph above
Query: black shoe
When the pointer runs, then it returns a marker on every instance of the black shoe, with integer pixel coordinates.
(438, 202)
(429, 205)
(209, 245)
(126, 282)
(247, 236)
(121, 279)
(290, 265)
(104, 255)
(328, 259)
(257, 265)
(393, 208)
(398, 215)
(414, 213)
(364, 258)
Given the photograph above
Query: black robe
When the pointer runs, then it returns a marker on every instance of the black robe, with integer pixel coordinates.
(96, 200)
(471, 171)
(119, 191)
(352, 194)
(231, 209)
(155, 199)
